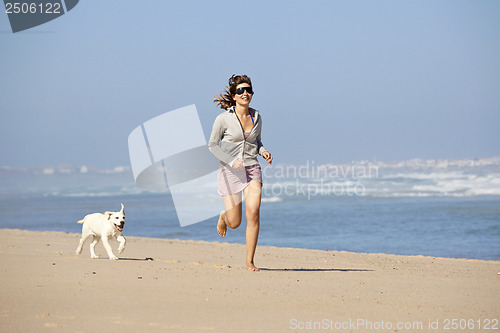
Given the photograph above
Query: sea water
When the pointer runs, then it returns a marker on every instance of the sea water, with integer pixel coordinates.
(432, 208)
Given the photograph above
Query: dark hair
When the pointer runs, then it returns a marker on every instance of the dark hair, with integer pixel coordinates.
(225, 98)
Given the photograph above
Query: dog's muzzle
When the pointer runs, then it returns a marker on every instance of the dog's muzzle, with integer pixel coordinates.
(120, 226)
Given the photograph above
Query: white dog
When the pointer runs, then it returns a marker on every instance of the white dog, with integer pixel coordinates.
(103, 225)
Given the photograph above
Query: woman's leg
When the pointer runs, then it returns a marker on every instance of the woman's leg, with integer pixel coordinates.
(252, 205)
(231, 216)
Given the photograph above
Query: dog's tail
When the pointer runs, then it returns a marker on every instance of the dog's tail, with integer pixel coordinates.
(81, 221)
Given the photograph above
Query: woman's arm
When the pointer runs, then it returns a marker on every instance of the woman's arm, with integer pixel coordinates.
(260, 147)
(215, 137)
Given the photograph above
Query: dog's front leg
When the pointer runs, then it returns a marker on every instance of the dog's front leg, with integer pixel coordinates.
(95, 240)
(122, 241)
(105, 242)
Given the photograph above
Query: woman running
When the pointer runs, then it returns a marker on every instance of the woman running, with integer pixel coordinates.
(236, 142)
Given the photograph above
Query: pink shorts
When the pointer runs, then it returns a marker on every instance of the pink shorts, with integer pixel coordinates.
(232, 181)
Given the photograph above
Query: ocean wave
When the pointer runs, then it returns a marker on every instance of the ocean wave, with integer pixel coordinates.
(413, 178)
(454, 184)
(272, 199)
(426, 176)
(96, 193)
(429, 195)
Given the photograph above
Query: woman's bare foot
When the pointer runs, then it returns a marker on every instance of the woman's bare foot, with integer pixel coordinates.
(221, 225)
(251, 267)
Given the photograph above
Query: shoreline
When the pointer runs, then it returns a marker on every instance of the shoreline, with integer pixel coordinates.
(259, 245)
(199, 286)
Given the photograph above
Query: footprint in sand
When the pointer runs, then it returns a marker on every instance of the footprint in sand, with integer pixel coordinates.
(199, 263)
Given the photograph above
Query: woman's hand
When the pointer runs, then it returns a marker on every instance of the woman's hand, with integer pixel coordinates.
(237, 164)
(267, 156)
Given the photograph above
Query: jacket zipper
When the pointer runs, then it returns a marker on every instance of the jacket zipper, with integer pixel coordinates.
(243, 132)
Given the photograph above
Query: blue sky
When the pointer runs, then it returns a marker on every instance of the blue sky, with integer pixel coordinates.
(335, 81)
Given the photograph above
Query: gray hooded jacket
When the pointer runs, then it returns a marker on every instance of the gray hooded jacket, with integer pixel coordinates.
(228, 132)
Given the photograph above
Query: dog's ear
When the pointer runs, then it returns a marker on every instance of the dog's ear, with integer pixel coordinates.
(108, 214)
(123, 209)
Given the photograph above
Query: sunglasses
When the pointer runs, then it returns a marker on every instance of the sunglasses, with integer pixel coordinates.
(240, 91)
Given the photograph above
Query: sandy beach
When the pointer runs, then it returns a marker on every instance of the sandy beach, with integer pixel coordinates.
(200, 286)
